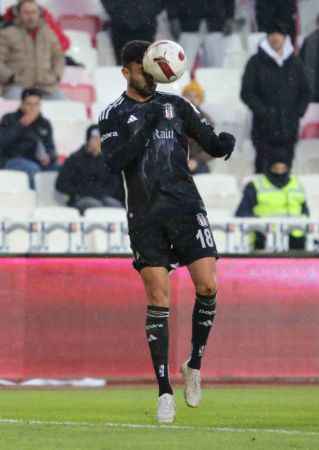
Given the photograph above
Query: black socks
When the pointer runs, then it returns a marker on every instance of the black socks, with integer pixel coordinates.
(157, 336)
(203, 318)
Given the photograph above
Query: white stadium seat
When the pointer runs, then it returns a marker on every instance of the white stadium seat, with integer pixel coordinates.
(254, 40)
(64, 110)
(13, 181)
(235, 56)
(69, 135)
(47, 195)
(311, 186)
(105, 55)
(307, 153)
(8, 106)
(76, 75)
(18, 239)
(220, 85)
(218, 191)
(59, 240)
(109, 84)
(117, 240)
(81, 49)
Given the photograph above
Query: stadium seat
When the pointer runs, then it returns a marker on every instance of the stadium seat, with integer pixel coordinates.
(109, 84)
(117, 239)
(47, 195)
(83, 7)
(230, 115)
(310, 131)
(8, 106)
(218, 191)
(235, 56)
(64, 110)
(307, 151)
(311, 186)
(13, 181)
(84, 93)
(220, 85)
(59, 229)
(88, 23)
(81, 49)
(15, 234)
(105, 52)
(253, 42)
(69, 135)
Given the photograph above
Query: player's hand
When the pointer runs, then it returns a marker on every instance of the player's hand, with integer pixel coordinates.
(227, 144)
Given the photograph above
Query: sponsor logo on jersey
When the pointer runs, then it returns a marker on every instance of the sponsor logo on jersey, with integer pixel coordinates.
(163, 134)
(109, 135)
(169, 112)
(132, 118)
(202, 220)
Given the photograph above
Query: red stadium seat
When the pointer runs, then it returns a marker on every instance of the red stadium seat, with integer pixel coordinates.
(310, 131)
(89, 23)
(84, 93)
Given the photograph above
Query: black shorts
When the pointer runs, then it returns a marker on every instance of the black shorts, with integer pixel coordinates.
(175, 241)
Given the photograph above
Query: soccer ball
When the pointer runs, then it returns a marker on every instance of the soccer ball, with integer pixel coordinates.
(165, 61)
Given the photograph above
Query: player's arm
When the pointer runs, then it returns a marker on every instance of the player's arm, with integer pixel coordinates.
(122, 143)
(203, 132)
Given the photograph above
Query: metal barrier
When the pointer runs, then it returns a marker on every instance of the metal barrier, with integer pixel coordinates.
(235, 235)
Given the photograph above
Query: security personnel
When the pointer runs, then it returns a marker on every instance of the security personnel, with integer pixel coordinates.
(275, 193)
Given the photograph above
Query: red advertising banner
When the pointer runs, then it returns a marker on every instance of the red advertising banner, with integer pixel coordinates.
(78, 317)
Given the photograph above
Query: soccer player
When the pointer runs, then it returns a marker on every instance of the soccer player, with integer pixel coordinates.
(144, 135)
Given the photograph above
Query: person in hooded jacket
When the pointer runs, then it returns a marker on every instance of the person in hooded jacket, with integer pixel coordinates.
(86, 179)
(275, 193)
(275, 88)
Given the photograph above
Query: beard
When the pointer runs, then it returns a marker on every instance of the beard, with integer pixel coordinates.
(146, 89)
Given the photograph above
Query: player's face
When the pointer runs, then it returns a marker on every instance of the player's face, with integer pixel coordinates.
(138, 80)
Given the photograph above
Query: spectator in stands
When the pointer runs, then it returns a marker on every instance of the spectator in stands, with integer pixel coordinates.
(30, 55)
(276, 90)
(185, 18)
(275, 193)
(85, 178)
(26, 137)
(132, 20)
(269, 12)
(12, 13)
(309, 54)
(198, 158)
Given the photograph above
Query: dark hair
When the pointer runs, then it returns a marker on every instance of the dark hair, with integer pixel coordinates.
(92, 129)
(31, 91)
(278, 27)
(20, 4)
(133, 51)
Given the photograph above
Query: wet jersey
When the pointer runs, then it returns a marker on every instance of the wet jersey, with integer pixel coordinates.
(148, 143)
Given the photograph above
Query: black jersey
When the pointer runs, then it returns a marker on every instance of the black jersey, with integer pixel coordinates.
(148, 143)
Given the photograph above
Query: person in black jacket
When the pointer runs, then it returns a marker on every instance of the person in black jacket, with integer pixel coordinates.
(26, 137)
(132, 20)
(309, 54)
(268, 12)
(86, 179)
(276, 89)
(144, 135)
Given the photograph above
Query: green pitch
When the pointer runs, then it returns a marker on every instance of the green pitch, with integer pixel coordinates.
(232, 418)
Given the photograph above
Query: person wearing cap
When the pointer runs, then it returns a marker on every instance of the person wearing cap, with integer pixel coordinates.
(198, 158)
(26, 137)
(144, 136)
(275, 193)
(276, 90)
(85, 178)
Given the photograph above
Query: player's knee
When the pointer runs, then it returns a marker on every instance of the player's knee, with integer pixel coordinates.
(158, 296)
(207, 288)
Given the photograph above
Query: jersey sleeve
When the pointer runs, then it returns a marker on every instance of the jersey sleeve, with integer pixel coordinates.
(119, 144)
(199, 129)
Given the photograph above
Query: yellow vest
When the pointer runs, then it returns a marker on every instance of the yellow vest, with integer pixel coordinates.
(279, 202)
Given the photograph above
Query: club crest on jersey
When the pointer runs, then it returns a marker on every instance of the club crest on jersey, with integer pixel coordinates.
(169, 112)
(202, 220)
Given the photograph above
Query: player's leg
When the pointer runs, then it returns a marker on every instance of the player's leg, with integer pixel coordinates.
(203, 274)
(156, 283)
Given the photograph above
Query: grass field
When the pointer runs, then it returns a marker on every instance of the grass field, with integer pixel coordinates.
(231, 418)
